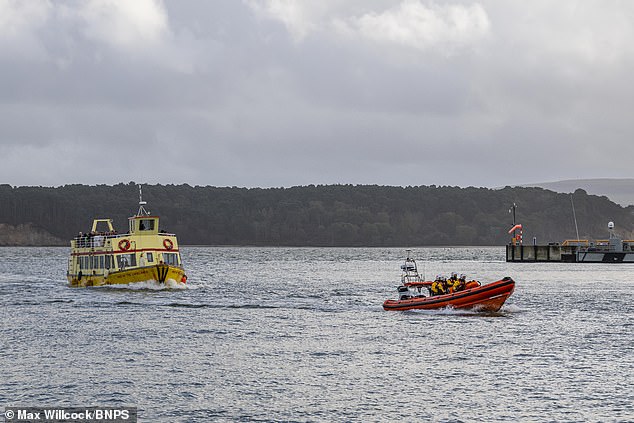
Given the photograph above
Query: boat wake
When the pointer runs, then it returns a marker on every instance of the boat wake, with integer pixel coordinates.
(511, 308)
(506, 311)
(151, 285)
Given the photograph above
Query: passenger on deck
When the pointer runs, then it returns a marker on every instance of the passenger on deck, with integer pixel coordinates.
(124, 263)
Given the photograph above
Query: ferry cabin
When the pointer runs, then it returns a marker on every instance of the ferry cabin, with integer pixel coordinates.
(100, 254)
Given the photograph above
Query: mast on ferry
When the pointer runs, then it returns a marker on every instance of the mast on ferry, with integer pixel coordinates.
(142, 211)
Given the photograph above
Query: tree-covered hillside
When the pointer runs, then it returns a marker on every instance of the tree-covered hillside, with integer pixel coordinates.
(331, 215)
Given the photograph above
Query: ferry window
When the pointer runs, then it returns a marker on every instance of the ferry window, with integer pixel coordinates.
(126, 260)
(108, 261)
(101, 260)
(146, 225)
(150, 257)
(170, 258)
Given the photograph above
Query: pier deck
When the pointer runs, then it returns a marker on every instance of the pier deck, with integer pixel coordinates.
(569, 253)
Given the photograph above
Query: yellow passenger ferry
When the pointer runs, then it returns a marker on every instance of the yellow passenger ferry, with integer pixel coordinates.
(144, 253)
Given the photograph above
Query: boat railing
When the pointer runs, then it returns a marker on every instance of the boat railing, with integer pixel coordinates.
(99, 240)
(575, 243)
(411, 277)
(90, 240)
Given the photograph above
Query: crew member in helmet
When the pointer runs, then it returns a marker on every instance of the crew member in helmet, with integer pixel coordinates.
(457, 283)
(438, 287)
(451, 282)
(462, 282)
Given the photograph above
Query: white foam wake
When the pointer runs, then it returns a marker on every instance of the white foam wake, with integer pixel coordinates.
(511, 308)
(152, 285)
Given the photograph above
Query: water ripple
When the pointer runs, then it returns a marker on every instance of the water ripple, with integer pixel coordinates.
(299, 334)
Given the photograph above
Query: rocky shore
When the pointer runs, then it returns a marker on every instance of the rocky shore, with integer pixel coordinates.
(26, 235)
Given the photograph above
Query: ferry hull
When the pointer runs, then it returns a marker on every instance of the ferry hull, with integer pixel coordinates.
(488, 298)
(158, 273)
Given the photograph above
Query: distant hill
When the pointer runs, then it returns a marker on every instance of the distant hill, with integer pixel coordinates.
(323, 215)
(621, 191)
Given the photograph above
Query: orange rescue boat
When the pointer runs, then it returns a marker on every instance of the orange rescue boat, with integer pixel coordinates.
(415, 293)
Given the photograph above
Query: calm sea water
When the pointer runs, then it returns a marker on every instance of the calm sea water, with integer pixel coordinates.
(299, 334)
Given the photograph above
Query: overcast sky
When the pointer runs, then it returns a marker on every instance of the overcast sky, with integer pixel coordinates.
(282, 93)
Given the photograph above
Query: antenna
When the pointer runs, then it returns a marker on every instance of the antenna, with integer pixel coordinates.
(574, 215)
(142, 211)
(512, 210)
(611, 229)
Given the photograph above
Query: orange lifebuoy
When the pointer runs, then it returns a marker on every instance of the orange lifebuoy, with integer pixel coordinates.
(124, 245)
(184, 279)
(168, 244)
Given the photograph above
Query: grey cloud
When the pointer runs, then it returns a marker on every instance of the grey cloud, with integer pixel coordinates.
(225, 94)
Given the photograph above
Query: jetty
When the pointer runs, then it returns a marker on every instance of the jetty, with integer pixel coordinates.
(612, 250)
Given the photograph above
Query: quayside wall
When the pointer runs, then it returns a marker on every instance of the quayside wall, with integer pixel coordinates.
(540, 253)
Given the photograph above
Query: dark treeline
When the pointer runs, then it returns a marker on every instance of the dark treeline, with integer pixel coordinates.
(331, 215)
